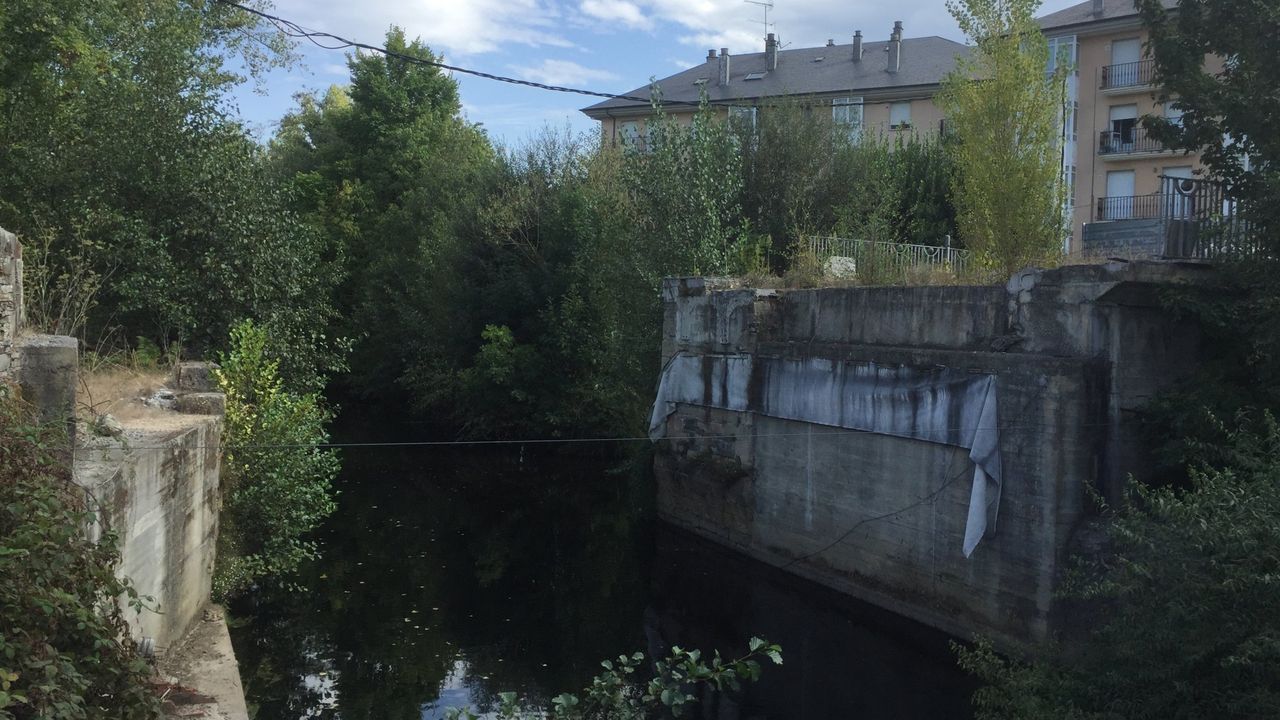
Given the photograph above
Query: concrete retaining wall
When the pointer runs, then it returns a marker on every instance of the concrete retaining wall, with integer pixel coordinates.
(1075, 352)
(157, 489)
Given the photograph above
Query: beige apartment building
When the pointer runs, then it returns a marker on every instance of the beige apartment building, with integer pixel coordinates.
(1113, 171)
(870, 87)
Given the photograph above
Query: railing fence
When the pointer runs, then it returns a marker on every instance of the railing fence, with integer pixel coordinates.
(880, 261)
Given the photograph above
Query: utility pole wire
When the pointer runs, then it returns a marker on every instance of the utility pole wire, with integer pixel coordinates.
(294, 30)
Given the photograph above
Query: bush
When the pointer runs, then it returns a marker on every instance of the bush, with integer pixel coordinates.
(64, 651)
(277, 482)
(1189, 588)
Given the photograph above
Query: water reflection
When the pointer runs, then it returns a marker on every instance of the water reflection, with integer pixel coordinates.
(450, 577)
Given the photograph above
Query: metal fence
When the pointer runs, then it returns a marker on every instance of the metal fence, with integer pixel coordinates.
(1127, 140)
(1124, 75)
(887, 261)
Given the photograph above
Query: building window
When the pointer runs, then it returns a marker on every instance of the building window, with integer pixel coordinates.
(847, 112)
(1069, 186)
(1124, 126)
(629, 135)
(1173, 114)
(1062, 53)
(743, 116)
(900, 115)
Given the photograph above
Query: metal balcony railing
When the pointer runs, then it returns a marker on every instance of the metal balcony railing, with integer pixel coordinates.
(1126, 75)
(1129, 140)
(1136, 207)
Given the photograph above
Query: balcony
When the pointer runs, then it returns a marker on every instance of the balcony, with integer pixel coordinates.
(1130, 140)
(1128, 76)
(1133, 207)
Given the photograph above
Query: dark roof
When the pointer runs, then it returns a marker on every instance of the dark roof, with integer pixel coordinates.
(1083, 13)
(808, 71)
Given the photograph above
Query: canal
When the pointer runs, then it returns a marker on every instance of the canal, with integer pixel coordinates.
(450, 575)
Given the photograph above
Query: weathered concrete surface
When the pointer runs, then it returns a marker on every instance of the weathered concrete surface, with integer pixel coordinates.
(204, 665)
(1075, 352)
(1138, 239)
(157, 488)
(10, 298)
(46, 371)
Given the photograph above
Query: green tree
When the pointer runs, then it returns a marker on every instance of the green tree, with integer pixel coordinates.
(1228, 105)
(1004, 110)
(277, 481)
(138, 195)
(388, 170)
(1188, 590)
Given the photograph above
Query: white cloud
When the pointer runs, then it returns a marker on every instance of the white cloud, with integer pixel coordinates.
(459, 27)
(562, 72)
(617, 11)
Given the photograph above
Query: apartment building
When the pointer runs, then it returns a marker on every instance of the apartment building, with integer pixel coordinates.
(868, 86)
(1113, 170)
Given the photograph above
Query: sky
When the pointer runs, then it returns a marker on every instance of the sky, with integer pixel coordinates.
(611, 46)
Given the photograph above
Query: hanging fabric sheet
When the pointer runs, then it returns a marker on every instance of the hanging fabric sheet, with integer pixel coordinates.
(943, 406)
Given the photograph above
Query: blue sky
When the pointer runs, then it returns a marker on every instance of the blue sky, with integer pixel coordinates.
(604, 45)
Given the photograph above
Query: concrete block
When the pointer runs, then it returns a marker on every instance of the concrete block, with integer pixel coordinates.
(202, 403)
(47, 375)
(195, 377)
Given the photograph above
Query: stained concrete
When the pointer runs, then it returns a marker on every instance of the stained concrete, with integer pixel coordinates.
(157, 488)
(204, 670)
(1075, 353)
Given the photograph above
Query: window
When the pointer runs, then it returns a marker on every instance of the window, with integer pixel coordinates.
(847, 112)
(1069, 185)
(1124, 126)
(755, 76)
(900, 115)
(629, 134)
(1118, 205)
(1062, 53)
(743, 116)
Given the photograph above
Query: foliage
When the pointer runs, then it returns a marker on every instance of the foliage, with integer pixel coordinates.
(687, 188)
(617, 693)
(64, 651)
(1004, 110)
(276, 480)
(1228, 105)
(388, 172)
(1188, 589)
(140, 197)
(1227, 109)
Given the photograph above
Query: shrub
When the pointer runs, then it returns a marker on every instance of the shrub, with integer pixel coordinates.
(64, 651)
(277, 481)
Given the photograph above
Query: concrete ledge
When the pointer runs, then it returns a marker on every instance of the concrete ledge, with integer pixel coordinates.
(206, 663)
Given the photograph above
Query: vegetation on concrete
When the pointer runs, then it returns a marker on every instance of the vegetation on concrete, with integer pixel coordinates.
(619, 693)
(64, 648)
(1004, 111)
(276, 480)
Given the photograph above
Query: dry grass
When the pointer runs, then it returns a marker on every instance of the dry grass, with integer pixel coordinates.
(118, 390)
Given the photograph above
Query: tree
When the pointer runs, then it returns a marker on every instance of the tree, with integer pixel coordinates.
(1219, 72)
(1229, 104)
(137, 195)
(1188, 590)
(389, 171)
(1004, 111)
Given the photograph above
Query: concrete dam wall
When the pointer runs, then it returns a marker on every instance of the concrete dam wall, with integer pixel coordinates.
(926, 449)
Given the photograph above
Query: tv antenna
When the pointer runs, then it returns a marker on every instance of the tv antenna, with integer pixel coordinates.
(767, 5)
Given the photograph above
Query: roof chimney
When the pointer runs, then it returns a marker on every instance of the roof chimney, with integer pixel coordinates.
(724, 68)
(831, 42)
(857, 45)
(1098, 8)
(711, 55)
(771, 52)
(894, 48)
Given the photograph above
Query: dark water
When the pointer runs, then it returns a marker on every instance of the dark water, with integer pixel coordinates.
(450, 576)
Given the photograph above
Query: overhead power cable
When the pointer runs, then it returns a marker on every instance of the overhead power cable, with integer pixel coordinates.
(316, 37)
